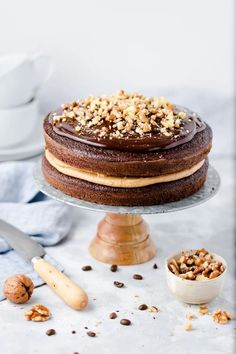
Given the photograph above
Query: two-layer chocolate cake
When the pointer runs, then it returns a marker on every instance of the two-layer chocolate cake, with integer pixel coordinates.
(126, 149)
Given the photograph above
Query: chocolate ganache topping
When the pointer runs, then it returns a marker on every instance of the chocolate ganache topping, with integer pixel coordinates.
(126, 121)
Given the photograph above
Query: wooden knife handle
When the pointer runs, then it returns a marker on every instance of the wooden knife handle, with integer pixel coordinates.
(64, 287)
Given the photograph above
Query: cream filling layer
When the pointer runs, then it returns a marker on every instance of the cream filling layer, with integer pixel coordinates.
(120, 182)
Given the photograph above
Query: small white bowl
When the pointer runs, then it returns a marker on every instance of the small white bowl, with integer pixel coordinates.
(194, 291)
(18, 123)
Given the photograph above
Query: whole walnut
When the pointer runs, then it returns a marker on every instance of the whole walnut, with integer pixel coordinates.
(18, 288)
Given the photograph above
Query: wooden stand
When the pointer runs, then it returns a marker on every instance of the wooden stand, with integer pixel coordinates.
(122, 239)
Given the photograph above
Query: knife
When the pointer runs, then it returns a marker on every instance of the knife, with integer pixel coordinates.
(33, 252)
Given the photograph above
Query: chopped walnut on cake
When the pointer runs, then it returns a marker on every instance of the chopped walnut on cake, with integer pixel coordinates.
(122, 114)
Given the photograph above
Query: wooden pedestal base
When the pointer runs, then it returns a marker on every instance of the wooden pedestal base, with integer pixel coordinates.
(122, 239)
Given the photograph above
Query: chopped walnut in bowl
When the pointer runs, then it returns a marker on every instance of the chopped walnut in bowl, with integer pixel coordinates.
(197, 265)
(195, 276)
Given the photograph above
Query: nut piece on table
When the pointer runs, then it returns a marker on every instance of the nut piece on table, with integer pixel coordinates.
(38, 313)
(221, 316)
(190, 316)
(153, 309)
(18, 288)
(203, 310)
(188, 326)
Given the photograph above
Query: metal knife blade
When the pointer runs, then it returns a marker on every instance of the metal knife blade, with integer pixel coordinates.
(64, 287)
(21, 242)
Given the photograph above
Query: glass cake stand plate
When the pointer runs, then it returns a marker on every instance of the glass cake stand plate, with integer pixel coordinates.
(123, 236)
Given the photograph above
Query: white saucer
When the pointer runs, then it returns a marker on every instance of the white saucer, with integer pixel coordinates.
(31, 147)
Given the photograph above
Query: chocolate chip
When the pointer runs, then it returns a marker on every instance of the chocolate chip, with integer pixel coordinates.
(118, 284)
(143, 307)
(113, 268)
(86, 268)
(137, 277)
(113, 315)
(50, 332)
(125, 322)
(85, 327)
(73, 332)
(76, 352)
(155, 266)
(91, 334)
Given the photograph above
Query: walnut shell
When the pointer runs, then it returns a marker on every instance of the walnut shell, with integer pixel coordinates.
(18, 288)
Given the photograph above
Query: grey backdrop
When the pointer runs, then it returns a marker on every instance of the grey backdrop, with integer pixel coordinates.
(182, 49)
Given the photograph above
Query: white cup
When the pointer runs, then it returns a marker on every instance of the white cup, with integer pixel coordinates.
(21, 77)
(17, 123)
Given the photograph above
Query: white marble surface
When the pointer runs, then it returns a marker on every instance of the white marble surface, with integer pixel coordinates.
(210, 225)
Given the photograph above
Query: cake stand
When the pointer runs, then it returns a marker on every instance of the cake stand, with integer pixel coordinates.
(122, 235)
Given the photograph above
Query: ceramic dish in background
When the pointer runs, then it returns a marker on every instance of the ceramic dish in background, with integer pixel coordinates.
(18, 123)
(194, 291)
(21, 77)
(30, 147)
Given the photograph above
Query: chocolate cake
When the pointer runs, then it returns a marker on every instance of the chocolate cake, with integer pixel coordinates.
(126, 149)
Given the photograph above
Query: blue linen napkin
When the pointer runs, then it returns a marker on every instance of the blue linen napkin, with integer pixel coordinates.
(24, 206)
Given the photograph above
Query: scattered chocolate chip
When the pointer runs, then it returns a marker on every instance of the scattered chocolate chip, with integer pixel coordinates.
(113, 268)
(85, 327)
(118, 284)
(125, 322)
(91, 334)
(143, 307)
(155, 266)
(86, 268)
(137, 277)
(50, 332)
(113, 315)
(73, 332)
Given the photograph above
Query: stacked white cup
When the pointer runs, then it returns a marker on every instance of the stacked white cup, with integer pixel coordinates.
(21, 77)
